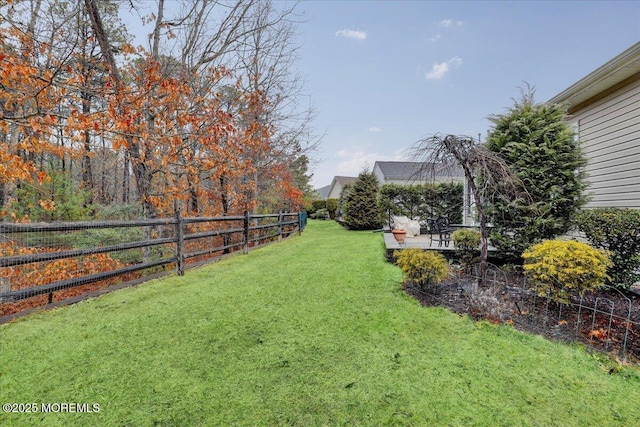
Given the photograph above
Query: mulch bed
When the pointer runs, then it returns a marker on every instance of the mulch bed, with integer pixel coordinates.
(607, 320)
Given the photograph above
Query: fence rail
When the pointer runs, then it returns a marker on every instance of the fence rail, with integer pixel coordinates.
(38, 260)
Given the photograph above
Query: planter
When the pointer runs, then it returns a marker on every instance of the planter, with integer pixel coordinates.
(399, 235)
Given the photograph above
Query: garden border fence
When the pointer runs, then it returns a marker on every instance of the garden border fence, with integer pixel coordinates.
(172, 235)
(585, 318)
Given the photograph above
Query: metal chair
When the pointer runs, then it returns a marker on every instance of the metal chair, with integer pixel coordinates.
(443, 230)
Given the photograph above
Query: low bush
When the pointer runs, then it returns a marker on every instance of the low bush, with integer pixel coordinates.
(618, 231)
(422, 268)
(562, 267)
(320, 214)
(315, 205)
(332, 207)
(466, 243)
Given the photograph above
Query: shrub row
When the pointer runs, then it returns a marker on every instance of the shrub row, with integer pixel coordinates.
(423, 200)
(322, 209)
(558, 267)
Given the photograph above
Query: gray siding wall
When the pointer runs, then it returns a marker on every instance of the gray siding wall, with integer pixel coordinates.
(378, 173)
(335, 191)
(609, 130)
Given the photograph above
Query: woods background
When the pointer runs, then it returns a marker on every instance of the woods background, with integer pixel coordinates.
(207, 117)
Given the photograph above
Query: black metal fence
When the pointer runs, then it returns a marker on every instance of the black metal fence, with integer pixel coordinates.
(48, 259)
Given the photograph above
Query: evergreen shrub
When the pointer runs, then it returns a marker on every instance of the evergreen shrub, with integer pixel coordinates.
(320, 214)
(563, 267)
(422, 268)
(423, 200)
(332, 207)
(618, 231)
(315, 205)
(543, 153)
(466, 243)
(361, 207)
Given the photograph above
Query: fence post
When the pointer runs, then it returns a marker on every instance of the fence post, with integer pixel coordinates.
(179, 245)
(299, 223)
(280, 226)
(226, 239)
(246, 232)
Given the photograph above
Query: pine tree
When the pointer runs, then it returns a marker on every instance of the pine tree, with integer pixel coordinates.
(540, 147)
(362, 212)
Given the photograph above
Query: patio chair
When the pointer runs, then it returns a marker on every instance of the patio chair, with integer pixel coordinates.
(443, 230)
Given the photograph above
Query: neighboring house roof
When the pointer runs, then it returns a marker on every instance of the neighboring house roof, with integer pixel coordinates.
(338, 183)
(415, 171)
(323, 192)
(344, 180)
(606, 79)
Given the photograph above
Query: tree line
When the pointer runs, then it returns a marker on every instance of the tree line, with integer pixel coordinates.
(207, 119)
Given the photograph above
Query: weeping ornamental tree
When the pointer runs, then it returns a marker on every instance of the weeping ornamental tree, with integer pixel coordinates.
(361, 207)
(485, 172)
(542, 151)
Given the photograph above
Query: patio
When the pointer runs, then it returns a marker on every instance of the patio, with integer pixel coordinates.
(422, 241)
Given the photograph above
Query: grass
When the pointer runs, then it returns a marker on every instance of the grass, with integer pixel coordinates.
(309, 332)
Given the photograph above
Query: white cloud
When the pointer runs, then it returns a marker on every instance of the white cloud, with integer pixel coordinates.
(435, 38)
(375, 129)
(353, 162)
(449, 23)
(455, 62)
(439, 70)
(351, 34)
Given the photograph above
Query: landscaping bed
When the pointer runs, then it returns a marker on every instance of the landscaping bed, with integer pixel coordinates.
(607, 319)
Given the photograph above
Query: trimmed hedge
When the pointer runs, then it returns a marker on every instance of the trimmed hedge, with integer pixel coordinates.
(423, 200)
(618, 231)
(330, 205)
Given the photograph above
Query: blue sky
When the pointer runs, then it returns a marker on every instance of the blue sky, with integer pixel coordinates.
(384, 74)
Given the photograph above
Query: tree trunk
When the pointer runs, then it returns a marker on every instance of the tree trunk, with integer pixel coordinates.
(223, 194)
(87, 175)
(125, 178)
(141, 170)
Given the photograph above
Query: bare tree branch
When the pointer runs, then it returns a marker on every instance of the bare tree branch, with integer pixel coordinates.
(485, 173)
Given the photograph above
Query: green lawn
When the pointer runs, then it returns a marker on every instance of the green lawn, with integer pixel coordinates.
(309, 332)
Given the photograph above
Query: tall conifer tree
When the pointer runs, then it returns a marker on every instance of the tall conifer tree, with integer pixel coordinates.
(543, 152)
(362, 203)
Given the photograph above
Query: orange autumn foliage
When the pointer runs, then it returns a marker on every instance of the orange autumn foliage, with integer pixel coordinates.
(190, 148)
(28, 101)
(28, 275)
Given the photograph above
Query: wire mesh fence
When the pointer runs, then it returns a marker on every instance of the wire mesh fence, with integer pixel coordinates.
(608, 319)
(45, 262)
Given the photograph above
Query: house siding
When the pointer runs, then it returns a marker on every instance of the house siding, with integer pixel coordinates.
(335, 192)
(609, 131)
(378, 174)
(337, 184)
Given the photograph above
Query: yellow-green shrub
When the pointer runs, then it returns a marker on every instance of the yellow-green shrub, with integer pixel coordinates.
(565, 266)
(421, 267)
